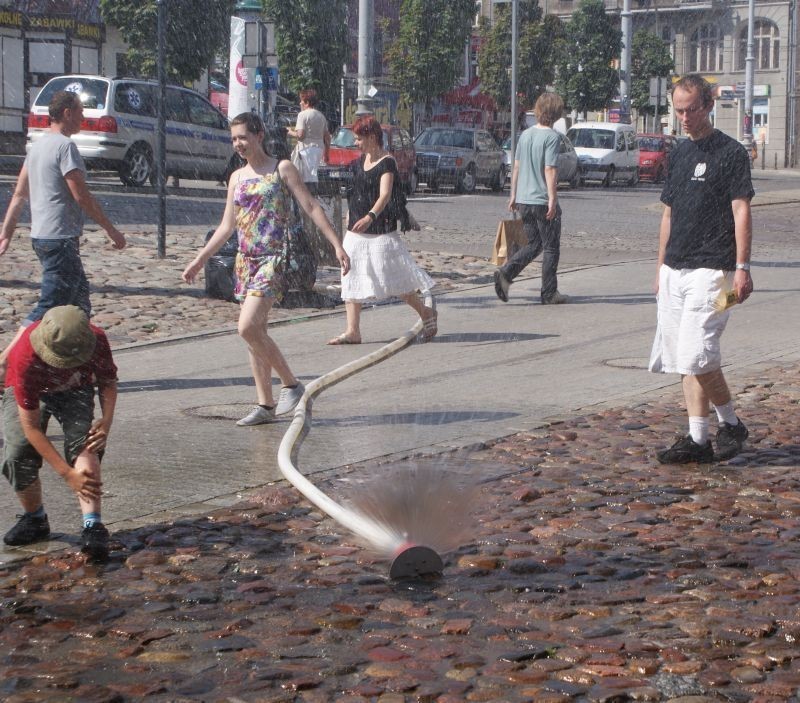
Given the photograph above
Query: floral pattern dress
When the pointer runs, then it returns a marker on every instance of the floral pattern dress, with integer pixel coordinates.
(263, 212)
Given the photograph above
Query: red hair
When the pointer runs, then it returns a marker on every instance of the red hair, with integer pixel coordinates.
(366, 125)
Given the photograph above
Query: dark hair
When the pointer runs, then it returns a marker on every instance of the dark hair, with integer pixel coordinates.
(250, 120)
(309, 95)
(61, 101)
(695, 82)
(548, 108)
(366, 125)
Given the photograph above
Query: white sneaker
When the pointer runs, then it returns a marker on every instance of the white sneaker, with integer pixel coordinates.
(289, 398)
(257, 416)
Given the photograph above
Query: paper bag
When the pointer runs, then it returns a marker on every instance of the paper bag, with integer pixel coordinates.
(510, 237)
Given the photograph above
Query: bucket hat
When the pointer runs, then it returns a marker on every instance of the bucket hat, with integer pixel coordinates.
(63, 338)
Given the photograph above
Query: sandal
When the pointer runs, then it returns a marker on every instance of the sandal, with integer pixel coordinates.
(430, 325)
(343, 339)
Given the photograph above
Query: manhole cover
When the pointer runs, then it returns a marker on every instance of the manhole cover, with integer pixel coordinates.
(638, 363)
(219, 412)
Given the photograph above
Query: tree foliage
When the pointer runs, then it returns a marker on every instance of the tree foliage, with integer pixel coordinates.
(587, 79)
(424, 58)
(650, 58)
(538, 46)
(311, 37)
(191, 45)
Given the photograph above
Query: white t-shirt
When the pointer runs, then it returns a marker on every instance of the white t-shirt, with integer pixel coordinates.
(313, 124)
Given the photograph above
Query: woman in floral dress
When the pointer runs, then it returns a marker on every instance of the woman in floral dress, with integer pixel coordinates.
(259, 207)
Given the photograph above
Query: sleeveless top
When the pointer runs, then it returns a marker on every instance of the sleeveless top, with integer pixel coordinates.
(264, 207)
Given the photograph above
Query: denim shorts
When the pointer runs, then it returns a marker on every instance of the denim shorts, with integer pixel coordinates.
(63, 278)
(74, 410)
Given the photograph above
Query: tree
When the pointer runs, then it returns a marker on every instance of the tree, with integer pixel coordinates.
(424, 58)
(191, 45)
(650, 58)
(587, 79)
(311, 37)
(537, 53)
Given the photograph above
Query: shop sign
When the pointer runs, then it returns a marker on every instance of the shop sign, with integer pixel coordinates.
(51, 23)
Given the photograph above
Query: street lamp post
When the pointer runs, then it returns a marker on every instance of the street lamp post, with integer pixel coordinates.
(161, 141)
(747, 132)
(514, 33)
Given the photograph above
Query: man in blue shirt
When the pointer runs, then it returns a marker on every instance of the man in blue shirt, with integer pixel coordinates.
(533, 193)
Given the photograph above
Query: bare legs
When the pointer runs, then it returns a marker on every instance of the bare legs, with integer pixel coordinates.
(352, 332)
(699, 390)
(264, 353)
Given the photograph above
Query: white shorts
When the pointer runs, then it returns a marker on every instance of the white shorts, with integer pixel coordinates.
(689, 325)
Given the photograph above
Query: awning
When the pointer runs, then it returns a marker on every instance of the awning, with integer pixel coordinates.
(470, 96)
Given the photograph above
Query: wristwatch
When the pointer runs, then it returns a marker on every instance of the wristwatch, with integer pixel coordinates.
(742, 267)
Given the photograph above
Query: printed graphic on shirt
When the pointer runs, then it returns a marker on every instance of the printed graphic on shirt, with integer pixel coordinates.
(699, 170)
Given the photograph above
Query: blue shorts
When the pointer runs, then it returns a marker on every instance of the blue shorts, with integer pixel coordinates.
(63, 278)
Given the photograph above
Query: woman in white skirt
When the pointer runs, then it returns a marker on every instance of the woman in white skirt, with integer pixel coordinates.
(381, 266)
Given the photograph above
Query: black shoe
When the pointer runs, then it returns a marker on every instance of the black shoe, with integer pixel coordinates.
(501, 285)
(556, 299)
(685, 451)
(94, 542)
(28, 530)
(730, 439)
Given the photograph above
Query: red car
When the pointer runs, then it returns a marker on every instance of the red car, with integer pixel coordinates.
(344, 151)
(654, 152)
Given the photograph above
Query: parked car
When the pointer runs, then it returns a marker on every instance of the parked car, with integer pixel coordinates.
(119, 128)
(396, 140)
(569, 170)
(275, 144)
(606, 151)
(654, 150)
(460, 157)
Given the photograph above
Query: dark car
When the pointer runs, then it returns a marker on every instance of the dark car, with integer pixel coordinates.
(654, 150)
(459, 157)
(275, 144)
(396, 140)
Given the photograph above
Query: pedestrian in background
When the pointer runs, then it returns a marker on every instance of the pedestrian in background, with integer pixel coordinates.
(381, 265)
(52, 372)
(53, 179)
(259, 207)
(313, 138)
(703, 264)
(534, 193)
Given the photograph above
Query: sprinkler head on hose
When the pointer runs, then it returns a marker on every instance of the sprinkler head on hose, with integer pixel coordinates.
(413, 561)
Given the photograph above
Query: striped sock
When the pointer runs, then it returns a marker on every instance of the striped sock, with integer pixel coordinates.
(90, 518)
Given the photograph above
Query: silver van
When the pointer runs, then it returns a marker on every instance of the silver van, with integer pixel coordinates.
(119, 128)
(607, 151)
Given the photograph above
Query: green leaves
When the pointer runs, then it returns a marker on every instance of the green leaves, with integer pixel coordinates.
(191, 45)
(650, 57)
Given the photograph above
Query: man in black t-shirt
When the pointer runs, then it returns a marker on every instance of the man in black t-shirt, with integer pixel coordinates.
(703, 268)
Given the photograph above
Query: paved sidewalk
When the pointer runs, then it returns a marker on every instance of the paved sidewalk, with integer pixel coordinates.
(587, 572)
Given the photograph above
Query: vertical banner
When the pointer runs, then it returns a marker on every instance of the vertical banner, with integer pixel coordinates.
(238, 96)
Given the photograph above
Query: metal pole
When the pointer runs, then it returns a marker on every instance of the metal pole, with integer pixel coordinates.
(365, 29)
(625, 63)
(747, 132)
(161, 141)
(513, 81)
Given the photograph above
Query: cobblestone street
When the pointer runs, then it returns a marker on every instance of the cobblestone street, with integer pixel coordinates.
(590, 573)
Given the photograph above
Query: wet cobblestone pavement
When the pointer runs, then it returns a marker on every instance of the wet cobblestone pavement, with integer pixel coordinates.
(137, 297)
(592, 574)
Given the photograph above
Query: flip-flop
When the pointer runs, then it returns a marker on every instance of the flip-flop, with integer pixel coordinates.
(342, 339)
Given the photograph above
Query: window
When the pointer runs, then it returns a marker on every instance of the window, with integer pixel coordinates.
(761, 120)
(766, 46)
(176, 108)
(668, 37)
(135, 99)
(705, 49)
(631, 137)
(200, 112)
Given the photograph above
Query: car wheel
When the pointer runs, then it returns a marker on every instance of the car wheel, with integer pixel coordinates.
(411, 186)
(609, 179)
(433, 184)
(499, 181)
(634, 178)
(577, 178)
(467, 182)
(659, 177)
(137, 166)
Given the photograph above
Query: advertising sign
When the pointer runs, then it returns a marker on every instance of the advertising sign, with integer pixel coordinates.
(238, 95)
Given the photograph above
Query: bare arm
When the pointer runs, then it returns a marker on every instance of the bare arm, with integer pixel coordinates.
(384, 195)
(220, 236)
(82, 481)
(551, 179)
(743, 224)
(663, 238)
(314, 210)
(76, 182)
(512, 200)
(101, 428)
(15, 206)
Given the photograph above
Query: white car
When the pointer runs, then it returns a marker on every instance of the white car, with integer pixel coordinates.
(119, 128)
(569, 170)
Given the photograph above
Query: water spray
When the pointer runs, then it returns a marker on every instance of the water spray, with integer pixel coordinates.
(409, 560)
